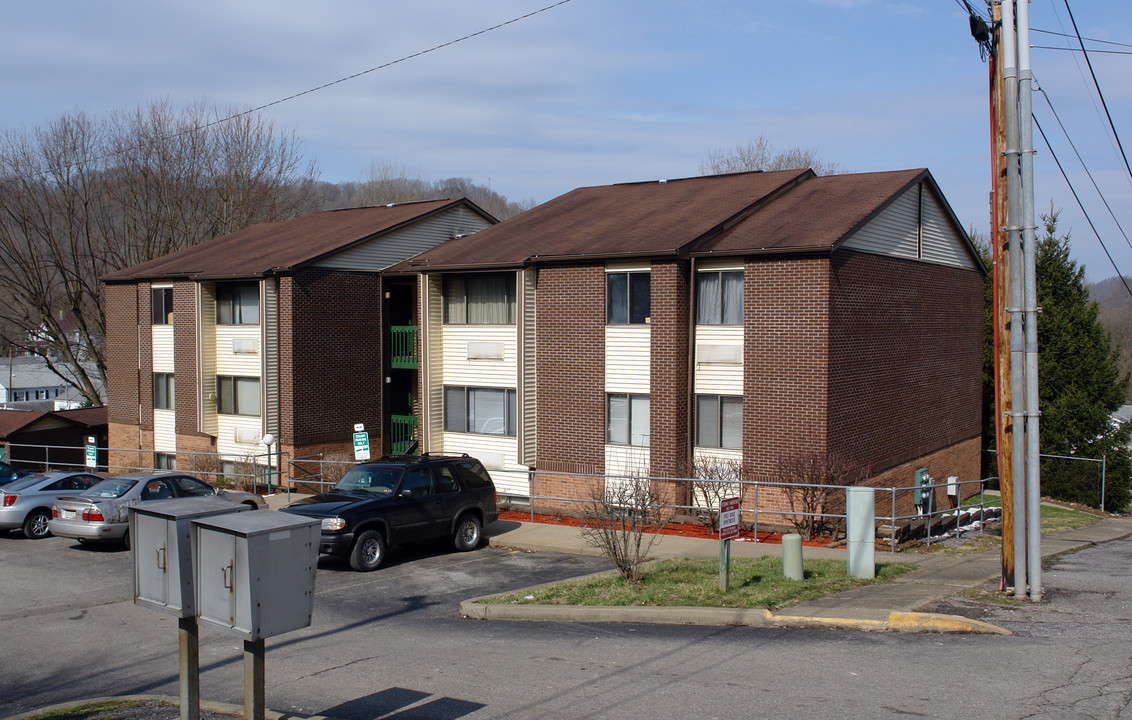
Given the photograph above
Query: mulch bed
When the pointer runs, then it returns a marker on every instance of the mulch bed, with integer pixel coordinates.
(693, 530)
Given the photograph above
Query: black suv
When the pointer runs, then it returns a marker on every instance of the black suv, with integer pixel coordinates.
(402, 499)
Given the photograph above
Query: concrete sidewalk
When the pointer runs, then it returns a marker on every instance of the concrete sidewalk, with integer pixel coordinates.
(890, 606)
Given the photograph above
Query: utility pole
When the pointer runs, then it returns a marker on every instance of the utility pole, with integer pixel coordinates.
(1004, 403)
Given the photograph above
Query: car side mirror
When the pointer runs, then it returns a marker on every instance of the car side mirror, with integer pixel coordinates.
(405, 494)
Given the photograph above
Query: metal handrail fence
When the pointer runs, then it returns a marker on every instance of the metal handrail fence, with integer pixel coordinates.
(750, 510)
(248, 470)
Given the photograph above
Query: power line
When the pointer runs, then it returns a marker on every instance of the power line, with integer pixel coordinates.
(1097, 85)
(1067, 35)
(1081, 206)
(1094, 51)
(1085, 167)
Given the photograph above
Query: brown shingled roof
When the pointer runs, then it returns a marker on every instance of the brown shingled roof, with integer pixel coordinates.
(264, 248)
(649, 218)
(815, 214)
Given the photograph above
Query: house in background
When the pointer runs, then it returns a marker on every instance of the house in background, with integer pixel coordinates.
(634, 328)
(284, 328)
(27, 382)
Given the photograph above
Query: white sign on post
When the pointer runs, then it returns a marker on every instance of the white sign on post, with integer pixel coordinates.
(728, 518)
(361, 446)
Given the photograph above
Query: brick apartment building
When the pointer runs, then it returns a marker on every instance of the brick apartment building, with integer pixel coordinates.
(748, 317)
(283, 328)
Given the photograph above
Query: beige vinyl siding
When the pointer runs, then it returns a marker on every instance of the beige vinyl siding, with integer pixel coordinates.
(716, 346)
(939, 241)
(251, 428)
(458, 341)
(162, 348)
(391, 248)
(206, 361)
(433, 415)
(247, 364)
(627, 461)
(730, 490)
(627, 359)
(165, 430)
(528, 360)
(270, 383)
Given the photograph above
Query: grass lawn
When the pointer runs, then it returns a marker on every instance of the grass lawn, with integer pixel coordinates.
(754, 583)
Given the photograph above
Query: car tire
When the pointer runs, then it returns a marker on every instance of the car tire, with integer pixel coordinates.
(468, 533)
(368, 551)
(126, 539)
(252, 505)
(35, 525)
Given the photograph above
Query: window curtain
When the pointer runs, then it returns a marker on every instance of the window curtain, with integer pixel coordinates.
(617, 420)
(707, 298)
(487, 301)
(731, 423)
(616, 299)
(707, 420)
(488, 408)
(732, 292)
(455, 412)
(455, 300)
(639, 420)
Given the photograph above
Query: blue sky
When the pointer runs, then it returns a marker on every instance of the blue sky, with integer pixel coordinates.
(594, 91)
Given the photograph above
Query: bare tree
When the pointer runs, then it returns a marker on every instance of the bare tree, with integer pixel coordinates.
(814, 488)
(759, 154)
(623, 520)
(82, 197)
(713, 479)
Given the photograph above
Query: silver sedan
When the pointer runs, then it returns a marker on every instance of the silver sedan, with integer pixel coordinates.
(103, 511)
(25, 503)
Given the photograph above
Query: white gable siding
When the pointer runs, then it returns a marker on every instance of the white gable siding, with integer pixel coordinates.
(717, 348)
(394, 247)
(940, 244)
(914, 226)
(627, 359)
(894, 231)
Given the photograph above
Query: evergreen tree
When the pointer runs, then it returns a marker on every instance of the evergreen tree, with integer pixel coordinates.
(1079, 383)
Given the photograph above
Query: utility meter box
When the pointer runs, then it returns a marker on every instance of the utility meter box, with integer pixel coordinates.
(161, 539)
(255, 572)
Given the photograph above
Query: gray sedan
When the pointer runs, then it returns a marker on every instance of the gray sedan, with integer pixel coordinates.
(103, 512)
(26, 503)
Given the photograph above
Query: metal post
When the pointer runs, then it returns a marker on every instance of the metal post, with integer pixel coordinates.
(1029, 259)
(188, 642)
(1104, 458)
(892, 524)
(531, 491)
(724, 565)
(254, 700)
(755, 525)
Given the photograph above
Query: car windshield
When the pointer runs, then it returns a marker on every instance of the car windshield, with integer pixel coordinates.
(24, 482)
(109, 489)
(373, 480)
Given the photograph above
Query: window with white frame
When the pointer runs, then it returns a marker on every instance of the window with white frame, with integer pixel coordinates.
(163, 306)
(486, 411)
(163, 396)
(487, 299)
(627, 419)
(237, 395)
(627, 298)
(719, 297)
(719, 421)
(164, 461)
(237, 303)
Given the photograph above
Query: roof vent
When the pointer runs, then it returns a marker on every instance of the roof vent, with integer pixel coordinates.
(662, 181)
(391, 205)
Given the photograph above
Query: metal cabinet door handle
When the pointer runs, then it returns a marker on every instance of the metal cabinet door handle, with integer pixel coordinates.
(227, 572)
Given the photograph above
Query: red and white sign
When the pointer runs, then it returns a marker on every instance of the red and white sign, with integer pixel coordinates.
(728, 518)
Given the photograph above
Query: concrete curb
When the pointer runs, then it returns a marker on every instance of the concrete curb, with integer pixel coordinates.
(206, 706)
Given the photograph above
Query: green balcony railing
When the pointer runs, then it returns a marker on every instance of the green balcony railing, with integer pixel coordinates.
(403, 433)
(404, 346)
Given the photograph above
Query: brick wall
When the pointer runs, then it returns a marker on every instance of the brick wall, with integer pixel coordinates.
(121, 317)
(330, 356)
(785, 351)
(184, 359)
(571, 366)
(905, 359)
(668, 402)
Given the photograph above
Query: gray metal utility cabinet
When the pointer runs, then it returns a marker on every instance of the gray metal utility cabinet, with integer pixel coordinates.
(162, 545)
(255, 572)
